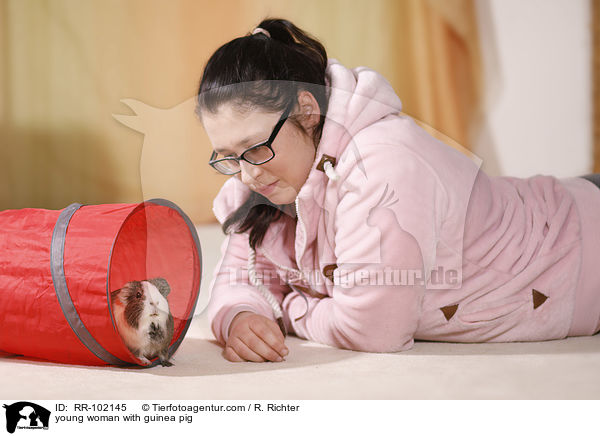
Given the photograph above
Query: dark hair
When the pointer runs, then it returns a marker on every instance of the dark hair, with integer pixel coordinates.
(265, 72)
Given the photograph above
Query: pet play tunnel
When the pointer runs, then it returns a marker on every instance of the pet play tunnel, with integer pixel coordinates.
(57, 269)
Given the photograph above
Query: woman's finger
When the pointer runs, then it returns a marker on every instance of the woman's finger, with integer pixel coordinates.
(230, 354)
(257, 345)
(271, 335)
(274, 326)
(245, 348)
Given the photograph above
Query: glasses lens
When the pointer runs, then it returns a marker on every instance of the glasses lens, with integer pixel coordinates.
(258, 155)
(227, 166)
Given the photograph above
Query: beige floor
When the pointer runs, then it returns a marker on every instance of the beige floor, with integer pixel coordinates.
(564, 369)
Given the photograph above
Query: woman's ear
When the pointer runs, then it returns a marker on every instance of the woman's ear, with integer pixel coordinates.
(310, 113)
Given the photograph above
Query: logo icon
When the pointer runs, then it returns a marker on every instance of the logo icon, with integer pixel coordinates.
(26, 415)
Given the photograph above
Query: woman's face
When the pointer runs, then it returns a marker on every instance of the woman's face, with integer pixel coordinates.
(231, 132)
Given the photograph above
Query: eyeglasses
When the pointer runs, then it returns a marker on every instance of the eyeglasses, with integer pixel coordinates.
(256, 155)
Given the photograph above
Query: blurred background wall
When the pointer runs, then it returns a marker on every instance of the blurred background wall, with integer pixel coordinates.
(537, 69)
(96, 97)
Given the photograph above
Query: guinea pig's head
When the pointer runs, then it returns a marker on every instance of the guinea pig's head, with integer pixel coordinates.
(144, 302)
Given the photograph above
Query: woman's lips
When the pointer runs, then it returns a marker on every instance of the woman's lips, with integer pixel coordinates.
(268, 189)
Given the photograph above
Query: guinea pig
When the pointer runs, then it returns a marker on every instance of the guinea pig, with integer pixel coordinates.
(144, 319)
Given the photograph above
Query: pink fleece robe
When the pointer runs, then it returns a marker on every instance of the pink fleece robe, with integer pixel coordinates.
(414, 241)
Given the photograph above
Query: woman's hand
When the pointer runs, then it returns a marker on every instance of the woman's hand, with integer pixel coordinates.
(255, 338)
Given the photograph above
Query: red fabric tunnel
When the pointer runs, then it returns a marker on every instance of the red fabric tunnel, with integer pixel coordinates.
(57, 269)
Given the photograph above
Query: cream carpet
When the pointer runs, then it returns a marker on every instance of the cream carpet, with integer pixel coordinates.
(563, 369)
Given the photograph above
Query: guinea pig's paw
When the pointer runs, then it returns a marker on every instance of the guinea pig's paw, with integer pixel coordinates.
(165, 362)
(144, 360)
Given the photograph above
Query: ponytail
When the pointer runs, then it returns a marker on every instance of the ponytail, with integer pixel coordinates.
(314, 53)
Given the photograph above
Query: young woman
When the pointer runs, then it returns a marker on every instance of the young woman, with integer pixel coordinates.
(347, 224)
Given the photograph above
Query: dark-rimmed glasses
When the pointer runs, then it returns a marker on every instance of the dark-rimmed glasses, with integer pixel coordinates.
(256, 155)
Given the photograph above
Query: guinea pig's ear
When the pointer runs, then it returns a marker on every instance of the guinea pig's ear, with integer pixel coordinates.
(162, 285)
(117, 294)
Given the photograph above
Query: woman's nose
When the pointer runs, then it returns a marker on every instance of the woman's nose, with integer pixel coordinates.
(249, 173)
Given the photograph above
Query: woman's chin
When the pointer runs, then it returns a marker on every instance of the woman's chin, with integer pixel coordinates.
(273, 198)
(281, 196)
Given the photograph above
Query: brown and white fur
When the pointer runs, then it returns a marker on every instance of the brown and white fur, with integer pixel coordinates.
(143, 317)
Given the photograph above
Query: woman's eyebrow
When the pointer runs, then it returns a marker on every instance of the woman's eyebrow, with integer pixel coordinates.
(242, 143)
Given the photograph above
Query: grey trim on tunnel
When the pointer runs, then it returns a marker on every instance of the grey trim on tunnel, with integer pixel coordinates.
(192, 229)
(57, 251)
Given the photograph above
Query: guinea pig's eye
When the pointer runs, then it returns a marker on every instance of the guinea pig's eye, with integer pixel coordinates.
(138, 295)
